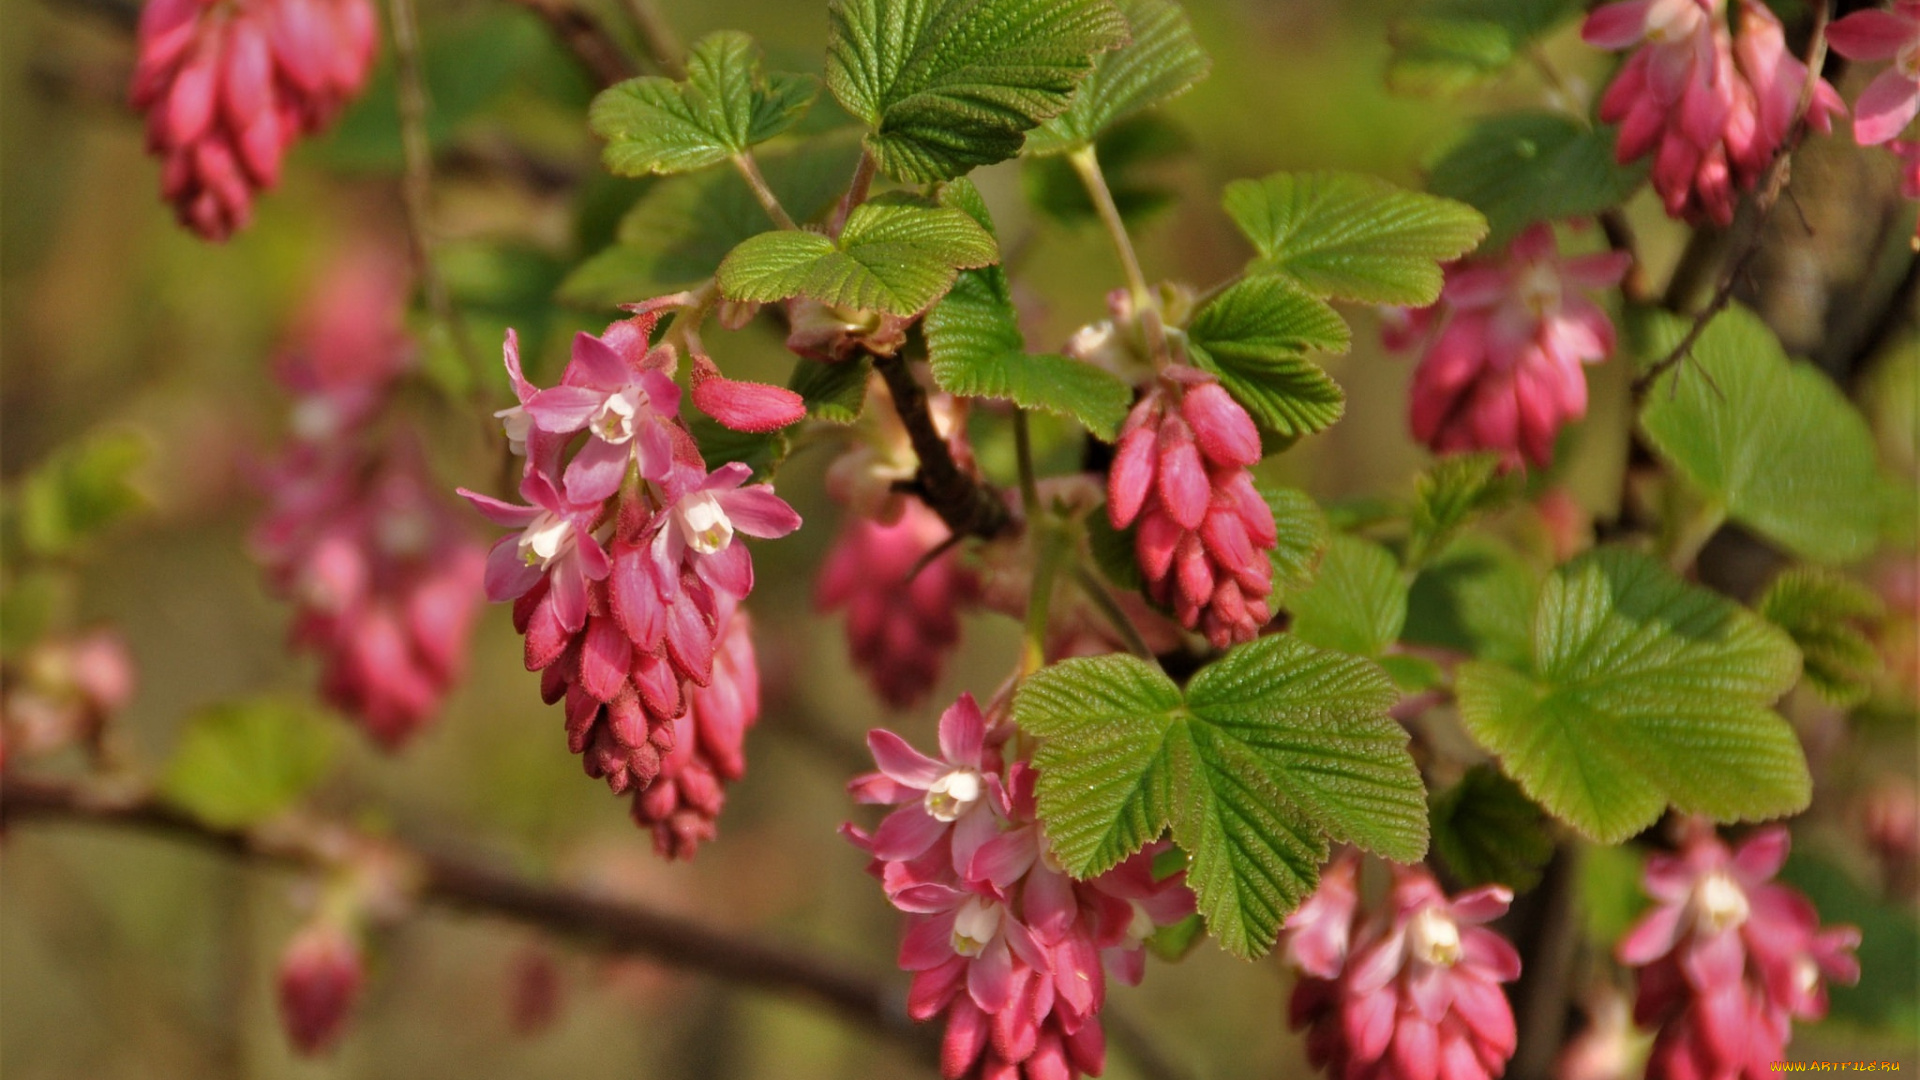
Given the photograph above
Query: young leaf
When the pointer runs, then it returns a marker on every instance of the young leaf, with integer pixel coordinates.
(1771, 440)
(1302, 531)
(1453, 44)
(79, 491)
(1274, 749)
(1255, 336)
(1649, 692)
(242, 762)
(949, 85)
(974, 343)
(1519, 168)
(836, 393)
(894, 256)
(1821, 611)
(1353, 237)
(656, 125)
(1489, 833)
(683, 227)
(1162, 61)
(1357, 603)
(1447, 496)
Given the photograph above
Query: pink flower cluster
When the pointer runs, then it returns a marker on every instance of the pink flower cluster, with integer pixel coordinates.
(384, 577)
(1505, 348)
(1010, 948)
(1727, 959)
(1180, 470)
(1712, 107)
(228, 85)
(1411, 992)
(902, 616)
(626, 572)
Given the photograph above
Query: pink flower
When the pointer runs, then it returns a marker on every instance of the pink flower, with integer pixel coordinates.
(555, 545)
(227, 88)
(626, 410)
(1892, 99)
(1319, 932)
(64, 690)
(1180, 470)
(1727, 959)
(1775, 78)
(944, 798)
(1504, 371)
(901, 625)
(321, 975)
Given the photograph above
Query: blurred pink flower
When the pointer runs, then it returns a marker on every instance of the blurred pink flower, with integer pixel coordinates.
(1892, 99)
(321, 975)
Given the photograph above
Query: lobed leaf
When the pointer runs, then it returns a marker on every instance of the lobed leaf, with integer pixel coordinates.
(1301, 529)
(1489, 833)
(1478, 598)
(1162, 60)
(1821, 611)
(1358, 601)
(894, 256)
(1523, 167)
(836, 393)
(725, 105)
(1457, 489)
(1255, 336)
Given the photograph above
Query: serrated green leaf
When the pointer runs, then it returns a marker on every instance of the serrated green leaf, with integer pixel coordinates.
(1822, 611)
(1112, 551)
(1274, 749)
(950, 85)
(656, 125)
(1489, 833)
(1477, 598)
(1770, 439)
(1302, 538)
(1412, 674)
(1126, 151)
(1353, 237)
(1254, 336)
(974, 343)
(679, 232)
(1523, 167)
(1649, 692)
(1453, 44)
(836, 393)
(894, 256)
(1357, 603)
(1161, 61)
(762, 452)
(242, 762)
(80, 490)
(1452, 493)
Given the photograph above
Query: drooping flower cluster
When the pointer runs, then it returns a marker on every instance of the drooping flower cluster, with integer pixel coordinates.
(383, 576)
(1728, 959)
(1010, 948)
(228, 85)
(626, 573)
(1411, 992)
(1180, 470)
(1712, 107)
(1505, 348)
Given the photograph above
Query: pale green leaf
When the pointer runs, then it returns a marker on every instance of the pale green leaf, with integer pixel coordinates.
(1353, 237)
(1452, 44)
(80, 490)
(949, 85)
(1770, 439)
(1357, 603)
(1255, 337)
(1523, 167)
(1489, 833)
(1648, 692)
(1825, 613)
(242, 762)
(656, 125)
(894, 256)
(1162, 61)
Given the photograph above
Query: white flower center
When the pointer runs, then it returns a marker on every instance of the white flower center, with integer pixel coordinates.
(1719, 903)
(1539, 288)
(704, 524)
(1434, 938)
(518, 426)
(315, 419)
(614, 421)
(1670, 20)
(1806, 975)
(545, 539)
(975, 925)
(1142, 926)
(954, 794)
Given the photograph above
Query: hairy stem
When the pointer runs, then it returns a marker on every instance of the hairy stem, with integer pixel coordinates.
(857, 190)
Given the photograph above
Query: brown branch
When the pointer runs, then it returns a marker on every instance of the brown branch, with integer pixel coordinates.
(1620, 237)
(1772, 183)
(582, 32)
(471, 887)
(968, 507)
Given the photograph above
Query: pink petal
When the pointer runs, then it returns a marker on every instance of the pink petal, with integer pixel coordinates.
(963, 730)
(1762, 855)
(500, 513)
(990, 978)
(1871, 35)
(508, 575)
(1616, 26)
(596, 471)
(596, 364)
(906, 833)
(1886, 107)
(902, 762)
(757, 511)
(1481, 905)
(1416, 1046)
(1652, 937)
(564, 408)
(1004, 859)
(928, 942)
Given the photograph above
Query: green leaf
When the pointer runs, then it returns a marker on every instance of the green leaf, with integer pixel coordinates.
(1822, 611)
(1477, 598)
(656, 125)
(1127, 150)
(950, 85)
(1357, 604)
(1523, 167)
(1649, 692)
(1275, 748)
(1302, 538)
(240, 763)
(79, 491)
(1453, 44)
(762, 452)
(1771, 440)
(1255, 336)
(1489, 833)
(1112, 551)
(836, 393)
(974, 343)
(680, 231)
(894, 256)
(1162, 61)
(1457, 489)
(1353, 237)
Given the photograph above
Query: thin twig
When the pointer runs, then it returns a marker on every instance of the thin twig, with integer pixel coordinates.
(416, 186)
(1620, 237)
(463, 885)
(584, 35)
(968, 506)
(857, 190)
(1772, 182)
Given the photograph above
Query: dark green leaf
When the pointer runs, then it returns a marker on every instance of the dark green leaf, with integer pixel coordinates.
(1478, 598)
(894, 256)
(1823, 611)
(242, 762)
(1162, 61)
(1523, 167)
(1489, 833)
(656, 125)
(1357, 603)
(719, 445)
(1453, 44)
(836, 393)
(1255, 337)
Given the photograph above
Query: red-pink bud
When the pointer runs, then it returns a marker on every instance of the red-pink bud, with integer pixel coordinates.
(321, 974)
(744, 406)
(1223, 429)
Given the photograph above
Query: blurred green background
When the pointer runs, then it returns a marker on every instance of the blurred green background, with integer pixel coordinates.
(129, 957)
